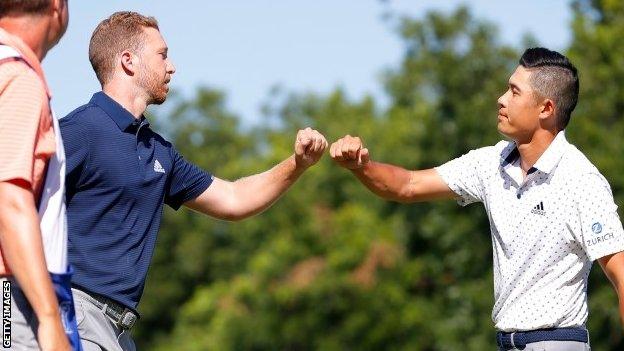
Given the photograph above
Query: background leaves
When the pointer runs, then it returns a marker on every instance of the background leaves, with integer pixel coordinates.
(332, 267)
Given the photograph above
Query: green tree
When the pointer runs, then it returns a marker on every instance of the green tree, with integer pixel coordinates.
(331, 266)
(597, 128)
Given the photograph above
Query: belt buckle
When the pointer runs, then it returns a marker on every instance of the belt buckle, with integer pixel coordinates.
(127, 319)
(511, 338)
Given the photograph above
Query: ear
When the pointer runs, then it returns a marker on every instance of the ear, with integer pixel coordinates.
(58, 6)
(128, 62)
(547, 109)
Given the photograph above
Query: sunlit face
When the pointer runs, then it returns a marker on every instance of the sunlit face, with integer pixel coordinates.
(518, 109)
(154, 69)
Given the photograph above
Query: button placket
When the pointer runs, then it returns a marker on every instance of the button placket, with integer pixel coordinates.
(140, 124)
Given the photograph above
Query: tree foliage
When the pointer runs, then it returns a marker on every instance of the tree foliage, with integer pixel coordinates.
(331, 266)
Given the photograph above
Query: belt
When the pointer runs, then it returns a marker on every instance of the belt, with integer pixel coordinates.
(519, 340)
(120, 314)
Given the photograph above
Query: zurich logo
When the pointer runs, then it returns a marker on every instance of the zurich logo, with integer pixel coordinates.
(597, 228)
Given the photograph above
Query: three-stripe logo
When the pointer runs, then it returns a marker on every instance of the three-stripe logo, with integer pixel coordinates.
(539, 209)
(158, 167)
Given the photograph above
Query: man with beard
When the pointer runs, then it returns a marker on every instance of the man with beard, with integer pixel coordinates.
(120, 173)
(551, 212)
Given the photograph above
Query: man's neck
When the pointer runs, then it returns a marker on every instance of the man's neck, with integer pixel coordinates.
(33, 31)
(126, 97)
(532, 149)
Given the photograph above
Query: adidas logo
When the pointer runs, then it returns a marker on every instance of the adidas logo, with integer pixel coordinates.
(158, 167)
(539, 209)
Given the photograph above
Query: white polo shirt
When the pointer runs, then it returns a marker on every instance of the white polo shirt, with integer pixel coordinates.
(546, 230)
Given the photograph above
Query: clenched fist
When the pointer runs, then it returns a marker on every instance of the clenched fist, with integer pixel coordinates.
(309, 147)
(349, 152)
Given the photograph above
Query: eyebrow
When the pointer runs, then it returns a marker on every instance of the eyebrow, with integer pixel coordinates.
(513, 86)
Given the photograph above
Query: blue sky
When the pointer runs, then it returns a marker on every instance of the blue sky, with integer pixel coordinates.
(246, 47)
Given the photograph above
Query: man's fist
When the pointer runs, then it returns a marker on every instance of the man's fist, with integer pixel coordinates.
(309, 147)
(349, 152)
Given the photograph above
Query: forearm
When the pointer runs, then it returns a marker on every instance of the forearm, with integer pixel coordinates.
(387, 181)
(256, 193)
(22, 247)
(402, 185)
(253, 194)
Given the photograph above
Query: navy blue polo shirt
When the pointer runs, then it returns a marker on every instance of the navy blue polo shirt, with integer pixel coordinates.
(119, 174)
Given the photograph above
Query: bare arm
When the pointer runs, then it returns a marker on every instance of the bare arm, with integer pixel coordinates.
(613, 266)
(388, 181)
(20, 238)
(402, 185)
(248, 196)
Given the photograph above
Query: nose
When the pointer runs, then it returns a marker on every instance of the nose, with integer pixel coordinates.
(501, 100)
(170, 67)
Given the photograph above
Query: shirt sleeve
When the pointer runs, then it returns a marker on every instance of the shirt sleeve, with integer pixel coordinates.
(187, 181)
(20, 117)
(76, 143)
(463, 175)
(601, 231)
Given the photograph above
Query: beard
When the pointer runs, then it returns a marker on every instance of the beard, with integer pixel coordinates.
(153, 85)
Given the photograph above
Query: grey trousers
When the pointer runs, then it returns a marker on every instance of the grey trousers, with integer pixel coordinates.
(97, 331)
(557, 346)
(24, 323)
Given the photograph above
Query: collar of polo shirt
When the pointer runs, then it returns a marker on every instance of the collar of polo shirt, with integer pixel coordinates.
(122, 117)
(546, 163)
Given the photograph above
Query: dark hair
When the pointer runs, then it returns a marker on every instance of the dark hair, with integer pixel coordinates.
(121, 31)
(554, 77)
(8, 7)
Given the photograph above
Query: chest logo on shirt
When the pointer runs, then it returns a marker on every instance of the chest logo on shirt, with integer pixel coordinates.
(158, 167)
(539, 209)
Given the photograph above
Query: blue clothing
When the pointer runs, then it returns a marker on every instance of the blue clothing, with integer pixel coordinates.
(119, 174)
(62, 288)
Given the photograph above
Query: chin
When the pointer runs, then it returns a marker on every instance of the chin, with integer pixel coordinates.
(159, 99)
(504, 132)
